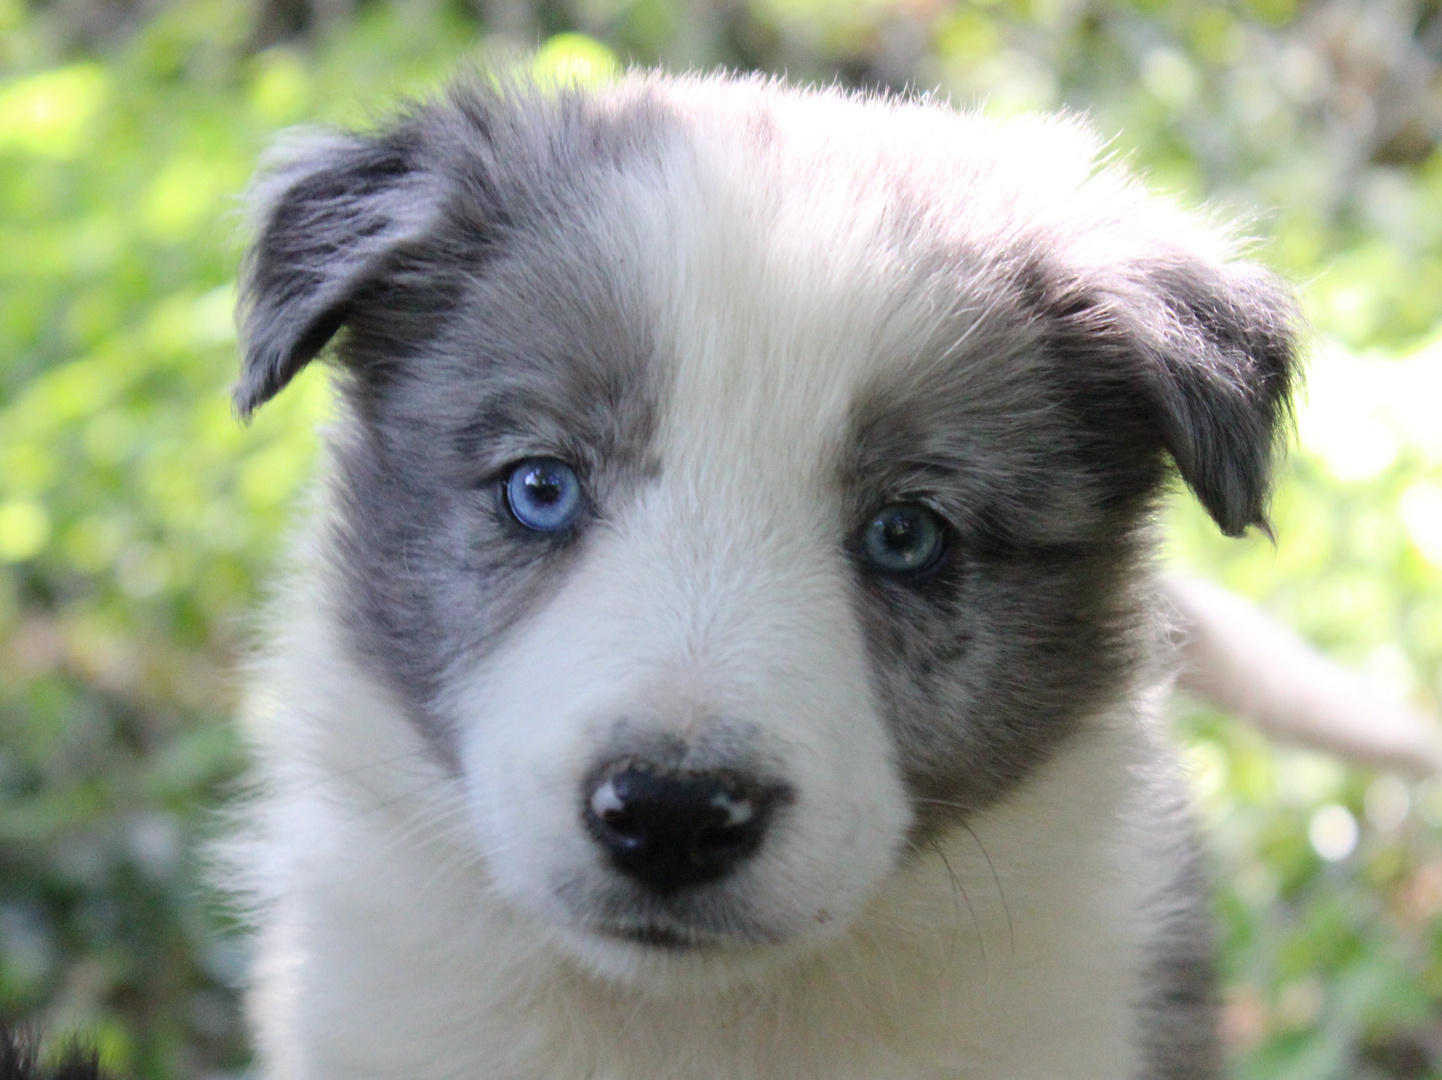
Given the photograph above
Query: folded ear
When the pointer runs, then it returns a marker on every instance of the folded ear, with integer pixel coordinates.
(331, 212)
(1221, 364)
(1197, 354)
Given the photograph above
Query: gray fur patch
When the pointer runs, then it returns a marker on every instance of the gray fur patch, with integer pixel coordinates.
(1040, 427)
(1028, 625)
(499, 331)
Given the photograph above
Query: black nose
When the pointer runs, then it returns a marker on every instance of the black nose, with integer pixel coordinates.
(673, 830)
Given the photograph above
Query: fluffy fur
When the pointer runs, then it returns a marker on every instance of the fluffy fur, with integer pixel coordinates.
(749, 318)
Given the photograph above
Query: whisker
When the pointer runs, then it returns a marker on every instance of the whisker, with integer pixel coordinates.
(1000, 892)
(990, 865)
(958, 888)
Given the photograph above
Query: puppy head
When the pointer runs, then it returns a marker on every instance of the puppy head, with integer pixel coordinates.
(741, 484)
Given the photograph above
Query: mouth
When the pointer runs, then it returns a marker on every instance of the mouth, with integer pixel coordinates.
(680, 937)
(658, 937)
(657, 956)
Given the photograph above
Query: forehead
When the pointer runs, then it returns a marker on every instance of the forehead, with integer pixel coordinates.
(811, 267)
(758, 285)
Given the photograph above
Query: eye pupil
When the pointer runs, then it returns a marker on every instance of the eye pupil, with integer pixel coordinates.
(900, 532)
(544, 487)
(903, 539)
(543, 494)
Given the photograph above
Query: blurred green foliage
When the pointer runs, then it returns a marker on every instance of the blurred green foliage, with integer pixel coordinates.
(136, 515)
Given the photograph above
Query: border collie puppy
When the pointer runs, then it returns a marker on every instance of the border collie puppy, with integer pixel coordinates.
(727, 644)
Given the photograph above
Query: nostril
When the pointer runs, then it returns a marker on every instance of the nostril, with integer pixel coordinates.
(622, 827)
(671, 830)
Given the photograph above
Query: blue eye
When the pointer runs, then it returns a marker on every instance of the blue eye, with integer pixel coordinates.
(543, 494)
(903, 538)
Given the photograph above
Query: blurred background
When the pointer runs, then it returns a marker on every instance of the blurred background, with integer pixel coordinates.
(137, 517)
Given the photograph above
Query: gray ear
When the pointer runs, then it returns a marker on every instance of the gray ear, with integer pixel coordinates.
(1191, 356)
(1220, 368)
(331, 212)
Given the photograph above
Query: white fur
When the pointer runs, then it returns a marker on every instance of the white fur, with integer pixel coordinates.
(393, 951)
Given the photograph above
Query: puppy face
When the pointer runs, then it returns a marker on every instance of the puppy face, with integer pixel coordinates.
(741, 485)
